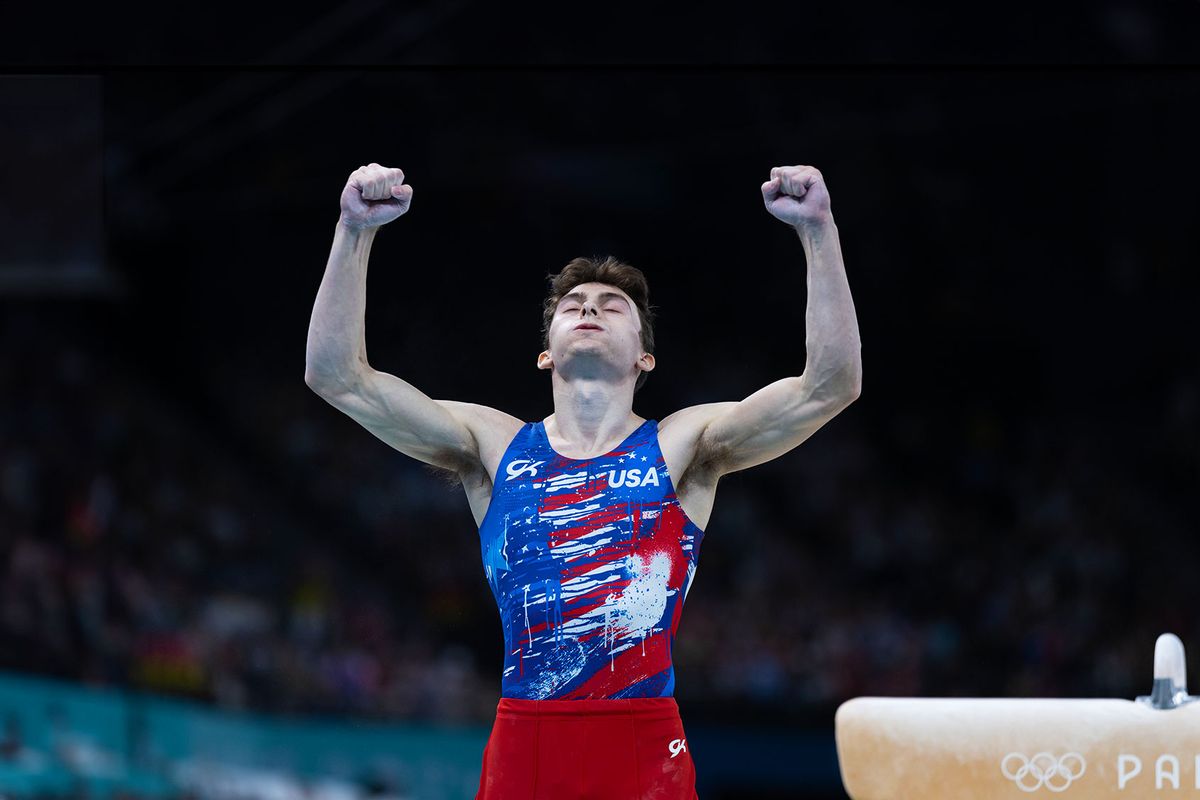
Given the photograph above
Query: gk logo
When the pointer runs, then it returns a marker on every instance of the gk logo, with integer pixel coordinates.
(677, 746)
(522, 465)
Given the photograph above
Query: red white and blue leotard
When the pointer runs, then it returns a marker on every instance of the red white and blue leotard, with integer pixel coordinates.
(590, 562)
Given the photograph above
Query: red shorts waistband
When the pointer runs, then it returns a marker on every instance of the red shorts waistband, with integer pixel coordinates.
(639, 707)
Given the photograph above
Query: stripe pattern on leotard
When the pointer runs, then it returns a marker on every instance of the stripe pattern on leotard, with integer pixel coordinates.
(590, 562)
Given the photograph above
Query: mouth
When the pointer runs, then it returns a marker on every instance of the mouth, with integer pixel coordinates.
(588, 327)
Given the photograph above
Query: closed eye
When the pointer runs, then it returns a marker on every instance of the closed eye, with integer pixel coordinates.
(570, 308)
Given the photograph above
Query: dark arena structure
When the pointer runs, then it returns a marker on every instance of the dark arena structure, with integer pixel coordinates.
(276, 524)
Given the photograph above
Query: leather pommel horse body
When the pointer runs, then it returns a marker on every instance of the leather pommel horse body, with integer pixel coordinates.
(896, 748)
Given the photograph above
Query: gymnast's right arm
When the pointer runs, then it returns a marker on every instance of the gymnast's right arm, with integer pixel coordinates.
(336, 365)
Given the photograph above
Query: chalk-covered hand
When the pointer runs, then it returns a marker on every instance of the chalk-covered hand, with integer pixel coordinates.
(797, 195)
(374, 195)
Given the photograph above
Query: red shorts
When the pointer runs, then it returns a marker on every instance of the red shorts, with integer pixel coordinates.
(595, 749)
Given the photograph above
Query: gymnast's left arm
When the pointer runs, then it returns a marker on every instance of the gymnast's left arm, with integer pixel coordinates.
(783, 414)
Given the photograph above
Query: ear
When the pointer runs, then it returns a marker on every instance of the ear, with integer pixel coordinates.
(646, 362)
(544, 361)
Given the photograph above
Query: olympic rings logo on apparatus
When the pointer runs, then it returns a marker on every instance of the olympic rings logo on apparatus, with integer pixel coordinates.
(1044, 769)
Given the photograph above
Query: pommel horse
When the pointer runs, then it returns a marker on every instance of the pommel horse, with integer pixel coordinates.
(909, 748)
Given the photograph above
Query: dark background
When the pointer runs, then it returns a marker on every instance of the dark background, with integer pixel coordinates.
(1009, 509)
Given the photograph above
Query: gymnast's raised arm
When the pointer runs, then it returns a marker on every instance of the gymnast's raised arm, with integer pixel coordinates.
(437, 432)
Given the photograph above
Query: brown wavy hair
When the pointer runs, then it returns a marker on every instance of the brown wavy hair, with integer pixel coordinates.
(602, 269)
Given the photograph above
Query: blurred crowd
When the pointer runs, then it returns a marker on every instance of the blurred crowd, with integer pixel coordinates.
(259, 550)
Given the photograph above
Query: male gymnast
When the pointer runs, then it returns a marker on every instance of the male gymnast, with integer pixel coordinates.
(591, 519)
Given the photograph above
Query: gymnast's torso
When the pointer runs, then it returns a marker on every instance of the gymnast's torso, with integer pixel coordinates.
(590, 561)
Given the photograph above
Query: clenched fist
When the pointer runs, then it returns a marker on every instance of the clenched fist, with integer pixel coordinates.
(374, 196)
(797, 195)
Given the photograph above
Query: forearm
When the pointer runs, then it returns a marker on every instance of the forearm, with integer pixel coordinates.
(337, 329)
(832, 342)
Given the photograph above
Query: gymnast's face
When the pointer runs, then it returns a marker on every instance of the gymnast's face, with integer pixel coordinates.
(608, 344)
